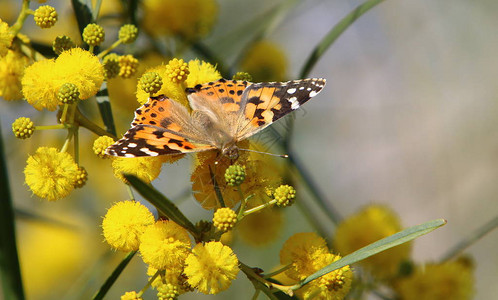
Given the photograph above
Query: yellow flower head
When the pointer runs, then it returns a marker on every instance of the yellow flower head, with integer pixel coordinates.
(303, 251)
(331, 286)
(201, 72)
(177, 70)
(124, 223)
(367, 226)
(51, 174)
(448, 280)
(262, 227)
(12, 67)
(265, 61)
(6, 37)
(172, 277)
(211, 267)
(43, 79)
(146, 168)
(100, 144)
(224, 219)
(165, 245)
(189, 19)
(127, 66)
(45, 16)
(131, 296)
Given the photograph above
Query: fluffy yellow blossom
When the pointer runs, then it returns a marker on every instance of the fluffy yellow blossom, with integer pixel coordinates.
(331, 286)
(172, 90)
(308, 253)
(302, 250)
(224, 219)
(165, 245)
(262, 227)
(127, 66)
(171, 276)
(43, 79)
(6, 37)
(189, 19)
(211, 267)
(131, 296)
(265, 61)
(12, 67)
(201, 72)
(146, 168)
(367, 226)
(177, 70)
(45, 16)
(448, 280)
(124, 224)
(100, 145)
(51, 174)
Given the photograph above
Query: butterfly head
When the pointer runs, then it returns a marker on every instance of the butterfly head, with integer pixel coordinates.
(231, 151)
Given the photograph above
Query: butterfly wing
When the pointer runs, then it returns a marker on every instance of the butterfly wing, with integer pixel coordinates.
(266, 102)
(161, 126)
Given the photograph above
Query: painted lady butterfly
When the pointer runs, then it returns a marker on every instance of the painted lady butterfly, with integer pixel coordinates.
(224, 112)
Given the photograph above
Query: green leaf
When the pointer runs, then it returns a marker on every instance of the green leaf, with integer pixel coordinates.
(83, 13)
(114, 275)
(334, 33)
(379, 246)
(10, 273)
(162, 204)
(105, 109)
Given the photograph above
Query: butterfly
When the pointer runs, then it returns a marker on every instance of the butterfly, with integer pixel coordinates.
(223, 113)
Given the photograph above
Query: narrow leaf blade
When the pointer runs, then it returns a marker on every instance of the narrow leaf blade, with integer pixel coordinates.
(379, 246)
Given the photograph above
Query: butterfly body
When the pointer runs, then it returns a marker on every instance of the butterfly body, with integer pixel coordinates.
(223, 113)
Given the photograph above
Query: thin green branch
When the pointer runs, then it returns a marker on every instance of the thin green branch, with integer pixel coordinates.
(113, 277)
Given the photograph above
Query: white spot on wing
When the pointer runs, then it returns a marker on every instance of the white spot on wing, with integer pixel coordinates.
(313, 93)
(148, 151)
(291, 91)
(129, 155)
(294, 103)
(132, 145)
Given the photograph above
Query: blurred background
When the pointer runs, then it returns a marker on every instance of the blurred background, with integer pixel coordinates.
(408, 118)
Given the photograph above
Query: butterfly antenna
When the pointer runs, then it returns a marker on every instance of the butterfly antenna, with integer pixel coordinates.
(260, 152)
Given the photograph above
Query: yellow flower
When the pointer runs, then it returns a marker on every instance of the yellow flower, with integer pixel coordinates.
(43, 79)
(224, 219)
(6, 37)
(201, 72)
(265, 61)
(331, 286)
(177, 70)
(12, 67)
(189, 19)
(100, 144)
(127, 66)
(448, 280)
(211, 267)
(303, 250)
(131, 296)
(51, 174)
(367, 226)
(145, 168)
(165, 245)
(124, 223)
(171, 276)
(308, 253)
(262, 227)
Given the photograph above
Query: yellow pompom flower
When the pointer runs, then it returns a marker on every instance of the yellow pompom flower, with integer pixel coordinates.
(189, 19)
(124, 224)
(331, 286)
(367, 226)
(130, 296)
(127, 66)
(261, 228)
(201, 72)
(177, 70)
(169, 89)
(224, 219)
(146, 168)
(265, 61)
(43, 79)
(51, 174)
(171, 276)
(302, 250)
(101, 144)
(165, 245)
(6, 37)
(12, 67)
(45, 16)
(23, 128)
(448, 280)
(211, 267)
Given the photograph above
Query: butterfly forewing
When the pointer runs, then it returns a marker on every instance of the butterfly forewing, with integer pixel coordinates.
(267, 102)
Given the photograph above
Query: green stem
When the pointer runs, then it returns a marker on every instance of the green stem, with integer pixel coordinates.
(49, 127)
(253, 275)
(67, 141)
(25, 12)
(259, 207)
(269, 275)
(76, 145)
(130, 192)
(149, 283)
(114, 275)
(85, 122)
(114, 45)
